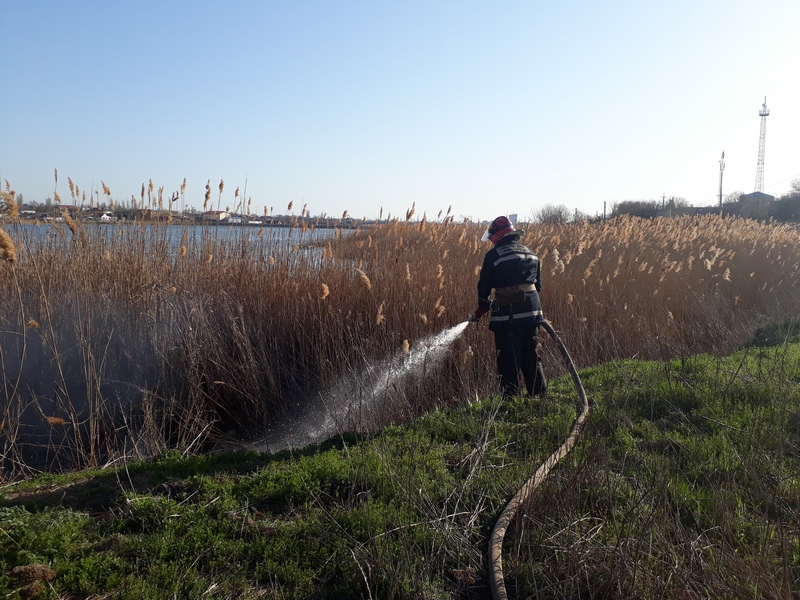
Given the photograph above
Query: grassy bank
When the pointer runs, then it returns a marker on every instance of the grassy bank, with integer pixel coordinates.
(685, 484)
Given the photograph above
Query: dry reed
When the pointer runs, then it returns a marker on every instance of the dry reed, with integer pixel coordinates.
(152, 322)
(8, 252)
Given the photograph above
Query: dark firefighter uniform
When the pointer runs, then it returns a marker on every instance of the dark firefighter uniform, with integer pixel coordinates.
(512, 271)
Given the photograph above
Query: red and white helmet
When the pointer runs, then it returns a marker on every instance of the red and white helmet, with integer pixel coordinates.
(497, 229)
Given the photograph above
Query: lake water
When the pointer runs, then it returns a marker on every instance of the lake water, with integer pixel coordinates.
(176, 234)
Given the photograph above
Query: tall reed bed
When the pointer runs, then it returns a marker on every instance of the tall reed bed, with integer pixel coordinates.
(667, 287)
(131, 338)
(628, 287)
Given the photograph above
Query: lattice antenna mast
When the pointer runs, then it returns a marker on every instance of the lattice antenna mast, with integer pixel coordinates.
(763, 113)
(721, 169)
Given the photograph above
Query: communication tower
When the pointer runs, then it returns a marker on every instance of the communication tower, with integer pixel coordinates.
(721, 169)
(763, 113)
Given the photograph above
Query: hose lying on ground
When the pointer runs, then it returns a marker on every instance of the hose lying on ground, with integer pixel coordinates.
(498, 533)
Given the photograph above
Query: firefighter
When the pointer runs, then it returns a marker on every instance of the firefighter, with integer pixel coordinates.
(512, 271)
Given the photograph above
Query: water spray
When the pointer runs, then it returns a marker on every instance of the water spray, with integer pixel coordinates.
(357, 401)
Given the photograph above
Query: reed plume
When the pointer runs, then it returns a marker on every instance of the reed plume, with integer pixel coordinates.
(221, 185)
(69, 221)
(325, 292)
(380, 317)
(364, 279)
(410, 211)
(12, 208)
(8, 252)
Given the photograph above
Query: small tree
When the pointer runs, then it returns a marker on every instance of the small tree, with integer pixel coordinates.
(579, 216)
(731, 203)
(733, 197)
(676, 202)
(553, 214)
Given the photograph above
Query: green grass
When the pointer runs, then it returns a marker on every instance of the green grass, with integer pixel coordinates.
(685, 483)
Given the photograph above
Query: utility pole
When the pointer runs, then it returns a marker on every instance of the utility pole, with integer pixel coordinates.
(721, 169)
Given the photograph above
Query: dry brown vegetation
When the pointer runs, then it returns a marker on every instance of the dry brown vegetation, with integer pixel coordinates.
(148, 337)
(667, 287)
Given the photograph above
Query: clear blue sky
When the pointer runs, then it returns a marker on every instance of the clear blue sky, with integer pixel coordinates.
(491, 107)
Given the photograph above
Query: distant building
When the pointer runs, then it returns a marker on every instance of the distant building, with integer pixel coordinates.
(214, 215)
(757, 197)
(755, 205)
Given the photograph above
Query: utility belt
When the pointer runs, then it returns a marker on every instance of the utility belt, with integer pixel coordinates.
(512, 294)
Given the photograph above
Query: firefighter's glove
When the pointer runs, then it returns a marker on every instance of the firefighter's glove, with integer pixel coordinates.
(475, 317)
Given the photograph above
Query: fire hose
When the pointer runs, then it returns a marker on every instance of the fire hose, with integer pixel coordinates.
(496, 579)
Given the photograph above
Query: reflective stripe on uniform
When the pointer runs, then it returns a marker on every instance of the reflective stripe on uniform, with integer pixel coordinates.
(532, 313)
(514, 257)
